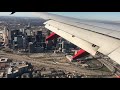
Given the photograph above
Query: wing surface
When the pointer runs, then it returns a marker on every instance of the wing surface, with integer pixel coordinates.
(90, 35)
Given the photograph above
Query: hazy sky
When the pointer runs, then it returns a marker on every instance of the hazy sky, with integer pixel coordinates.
(82, 15)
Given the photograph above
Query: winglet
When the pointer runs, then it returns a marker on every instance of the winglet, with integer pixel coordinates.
(12, 13)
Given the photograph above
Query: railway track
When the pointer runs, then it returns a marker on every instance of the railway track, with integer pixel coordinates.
(107, 62)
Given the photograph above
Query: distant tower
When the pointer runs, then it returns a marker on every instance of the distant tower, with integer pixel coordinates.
(6, 33)
(29, 26)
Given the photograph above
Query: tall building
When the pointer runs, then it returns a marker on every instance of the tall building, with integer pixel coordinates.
(4, 35)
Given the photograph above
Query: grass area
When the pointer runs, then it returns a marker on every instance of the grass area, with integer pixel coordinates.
(104, 68)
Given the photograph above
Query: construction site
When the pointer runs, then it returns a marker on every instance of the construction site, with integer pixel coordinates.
(29, 50)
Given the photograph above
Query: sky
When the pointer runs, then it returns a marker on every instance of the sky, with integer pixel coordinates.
(111, 16)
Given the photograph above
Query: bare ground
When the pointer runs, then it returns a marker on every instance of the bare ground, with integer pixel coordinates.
(53, 61)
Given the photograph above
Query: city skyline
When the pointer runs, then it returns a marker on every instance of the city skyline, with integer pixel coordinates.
(112, 16)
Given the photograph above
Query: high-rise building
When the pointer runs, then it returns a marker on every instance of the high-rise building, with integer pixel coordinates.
(4, 35)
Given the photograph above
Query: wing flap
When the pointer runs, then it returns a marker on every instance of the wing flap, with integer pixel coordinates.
(115, 55)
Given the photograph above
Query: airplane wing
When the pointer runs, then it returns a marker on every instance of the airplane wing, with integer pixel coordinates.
(90, 35)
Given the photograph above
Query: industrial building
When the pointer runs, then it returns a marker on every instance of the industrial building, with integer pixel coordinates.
(10, 69)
